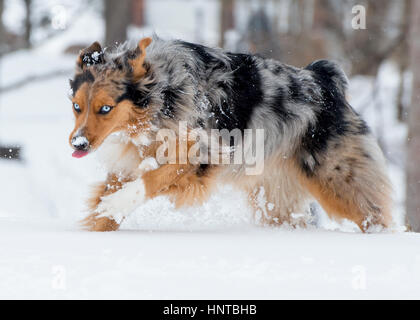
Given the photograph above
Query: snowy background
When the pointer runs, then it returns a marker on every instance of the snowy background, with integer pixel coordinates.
(214, 251)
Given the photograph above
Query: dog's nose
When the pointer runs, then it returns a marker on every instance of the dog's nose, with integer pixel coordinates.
(80, 143)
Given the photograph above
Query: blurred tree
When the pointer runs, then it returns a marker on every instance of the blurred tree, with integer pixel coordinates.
(368, 48)
(2, 31)
(322, 29)
(413, 151)
(138, 13)
(301, 41)
(402, 58)
(28, 23)
(309, 22)
(6, 152)
(300, 16)
(117, 20)
(10, 41)
(227, 8)
(260, 33)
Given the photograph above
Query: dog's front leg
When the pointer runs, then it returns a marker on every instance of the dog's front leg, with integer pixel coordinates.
(112, 204)
(116, 198)
(96, 222)
(118, 205)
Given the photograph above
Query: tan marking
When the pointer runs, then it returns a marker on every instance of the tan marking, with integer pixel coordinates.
(138, 63)
(81, 98)
(178, 181)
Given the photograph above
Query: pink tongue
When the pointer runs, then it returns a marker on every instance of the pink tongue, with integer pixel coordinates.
(79, 154)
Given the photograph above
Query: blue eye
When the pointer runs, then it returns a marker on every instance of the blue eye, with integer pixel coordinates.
(76, 107)
(105, 109)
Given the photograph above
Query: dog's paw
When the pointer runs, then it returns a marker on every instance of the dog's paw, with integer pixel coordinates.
(110, 206)
(122, 202)
(95, 222)
(148, 164)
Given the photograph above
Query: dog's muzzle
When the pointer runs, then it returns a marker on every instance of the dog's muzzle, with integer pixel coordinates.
(80, 143)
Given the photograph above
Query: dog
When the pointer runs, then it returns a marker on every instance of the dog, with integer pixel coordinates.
(315, 145)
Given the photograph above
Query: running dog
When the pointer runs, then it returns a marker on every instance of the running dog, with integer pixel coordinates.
(315, 145)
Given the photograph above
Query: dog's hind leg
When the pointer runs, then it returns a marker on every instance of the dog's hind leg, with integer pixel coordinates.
(276, 196)
(351, 182)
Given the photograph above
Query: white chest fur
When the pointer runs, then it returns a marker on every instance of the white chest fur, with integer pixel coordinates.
(122, 156)
(119, 155)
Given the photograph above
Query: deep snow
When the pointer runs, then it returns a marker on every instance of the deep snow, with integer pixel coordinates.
(47, 259)
(214, 251)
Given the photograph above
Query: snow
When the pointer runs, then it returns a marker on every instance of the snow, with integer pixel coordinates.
(148, 164)
(212, 251)
(79, 141)
(42, 259)
(124, 201)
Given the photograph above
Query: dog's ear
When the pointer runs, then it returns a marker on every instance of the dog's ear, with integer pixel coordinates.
(90, 56)
(137, 61)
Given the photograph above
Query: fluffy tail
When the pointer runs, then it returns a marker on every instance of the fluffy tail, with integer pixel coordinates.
(347, 172)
